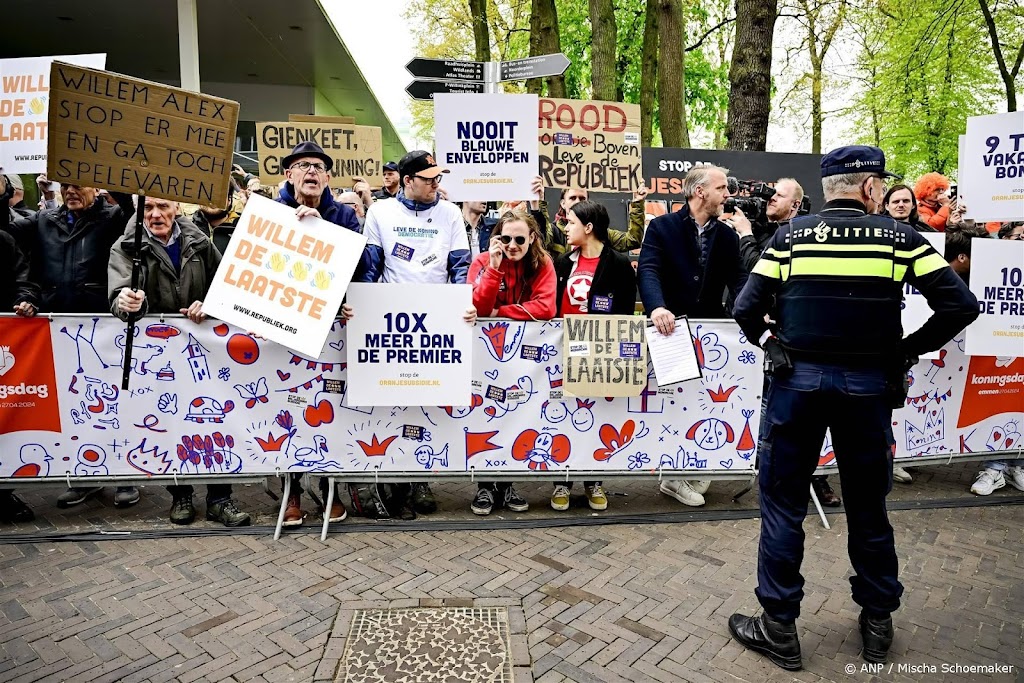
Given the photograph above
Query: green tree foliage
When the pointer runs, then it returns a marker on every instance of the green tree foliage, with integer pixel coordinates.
(931, 69)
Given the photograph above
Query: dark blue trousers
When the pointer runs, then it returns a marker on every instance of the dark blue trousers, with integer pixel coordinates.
(850, 402)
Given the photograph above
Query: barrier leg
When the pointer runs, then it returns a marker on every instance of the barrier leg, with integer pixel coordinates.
(284, 504)
(327, 508)
(817, 506)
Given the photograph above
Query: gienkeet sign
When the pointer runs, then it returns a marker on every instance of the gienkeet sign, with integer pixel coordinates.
(356, 150)
(118, 133)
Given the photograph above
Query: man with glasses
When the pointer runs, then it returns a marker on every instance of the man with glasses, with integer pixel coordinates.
(417, 237)
(308, 171)
(68, 248)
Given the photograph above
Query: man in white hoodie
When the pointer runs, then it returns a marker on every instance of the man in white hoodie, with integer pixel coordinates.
(417, 237)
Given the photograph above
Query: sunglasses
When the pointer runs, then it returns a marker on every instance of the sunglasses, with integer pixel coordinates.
(507, 239)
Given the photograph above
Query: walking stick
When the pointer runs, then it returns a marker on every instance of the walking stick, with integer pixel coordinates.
(129, 334)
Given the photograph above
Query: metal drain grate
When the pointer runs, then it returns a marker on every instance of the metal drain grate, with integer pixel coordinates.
(451, 644)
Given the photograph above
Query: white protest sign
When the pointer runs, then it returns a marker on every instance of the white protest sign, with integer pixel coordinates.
(997, 279)
(409, 346)
(916, 310)
(993, 169)
(489, 142)
(284, 278)
(25, 106)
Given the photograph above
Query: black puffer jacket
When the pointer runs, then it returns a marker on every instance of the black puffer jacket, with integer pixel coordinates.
(68, 258)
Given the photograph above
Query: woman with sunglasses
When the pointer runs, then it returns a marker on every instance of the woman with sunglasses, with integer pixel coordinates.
(592, 278)
(514, 279)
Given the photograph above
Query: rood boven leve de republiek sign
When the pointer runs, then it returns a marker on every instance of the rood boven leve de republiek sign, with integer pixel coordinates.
(124, 134)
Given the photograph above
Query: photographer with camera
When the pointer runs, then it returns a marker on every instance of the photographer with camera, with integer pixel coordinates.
(765, 210)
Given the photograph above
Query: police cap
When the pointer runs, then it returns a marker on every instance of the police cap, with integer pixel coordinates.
(855, 159)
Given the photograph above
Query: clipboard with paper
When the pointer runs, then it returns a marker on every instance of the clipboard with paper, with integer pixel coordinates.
(673, 355)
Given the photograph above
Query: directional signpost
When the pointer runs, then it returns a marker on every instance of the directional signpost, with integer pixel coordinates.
(541, 66)
(457, 76)
(425, 90)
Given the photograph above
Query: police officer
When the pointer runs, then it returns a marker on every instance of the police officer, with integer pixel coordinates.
(839, 363)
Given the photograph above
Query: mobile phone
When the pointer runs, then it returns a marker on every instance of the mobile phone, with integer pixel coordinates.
(952, 193)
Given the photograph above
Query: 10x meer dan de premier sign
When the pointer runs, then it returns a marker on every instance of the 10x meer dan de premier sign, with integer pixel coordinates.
(124, 134)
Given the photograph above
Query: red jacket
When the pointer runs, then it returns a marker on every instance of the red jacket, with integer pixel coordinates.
(935, 218)
(507, 290)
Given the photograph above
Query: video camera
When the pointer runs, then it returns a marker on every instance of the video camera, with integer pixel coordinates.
(753, 201)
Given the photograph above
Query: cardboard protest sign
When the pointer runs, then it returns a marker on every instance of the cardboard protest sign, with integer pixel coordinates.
(605, 355)
(119, 133)
(993, 169)
(489, 142)
(590, 145)
(356, 150)
(409, 346)
(24, 108)
(282, 277)
(997, 279)
(312, 118)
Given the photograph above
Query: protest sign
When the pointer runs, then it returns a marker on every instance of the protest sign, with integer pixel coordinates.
(356, 150)
(24, 107)
(489, 142)
(282, 277)
(119, 133)
(590, 145)
(993, 169)
(605, 355)
(665, 167)
(409, 346)
(916, 310)
(997, 279)
(312, 118)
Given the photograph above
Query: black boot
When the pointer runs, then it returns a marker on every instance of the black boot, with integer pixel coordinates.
(876, 633)
(775, 639)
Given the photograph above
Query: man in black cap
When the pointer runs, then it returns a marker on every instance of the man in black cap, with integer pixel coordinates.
(839, 362)
(391, 184)
(418, 238)
(307, 173)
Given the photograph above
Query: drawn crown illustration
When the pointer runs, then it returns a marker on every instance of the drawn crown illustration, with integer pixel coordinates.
(555, 376)
(271, 443)
(722, 395)
(375, 447)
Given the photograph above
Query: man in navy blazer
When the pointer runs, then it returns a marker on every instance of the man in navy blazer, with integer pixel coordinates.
(687, 261)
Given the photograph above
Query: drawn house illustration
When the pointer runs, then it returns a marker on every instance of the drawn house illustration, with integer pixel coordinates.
(197, 359)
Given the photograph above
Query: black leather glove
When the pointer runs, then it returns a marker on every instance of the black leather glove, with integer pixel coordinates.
(776, 360)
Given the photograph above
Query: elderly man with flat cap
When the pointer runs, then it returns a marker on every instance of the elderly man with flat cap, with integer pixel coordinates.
(308, 172)
(839, 362)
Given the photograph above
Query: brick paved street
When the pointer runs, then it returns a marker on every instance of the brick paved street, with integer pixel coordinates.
(618, 602)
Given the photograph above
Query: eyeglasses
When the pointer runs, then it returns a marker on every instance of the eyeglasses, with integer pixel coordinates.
(306, 165)
(506, 239)
(433, 181)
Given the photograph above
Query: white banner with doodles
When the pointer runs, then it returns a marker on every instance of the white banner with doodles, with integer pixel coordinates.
(212, 399)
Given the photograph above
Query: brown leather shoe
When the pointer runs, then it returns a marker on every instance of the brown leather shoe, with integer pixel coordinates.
(826, 496)
(293, 514)
(338, 512)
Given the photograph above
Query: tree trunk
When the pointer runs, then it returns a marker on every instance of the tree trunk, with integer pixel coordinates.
(750, 75)
(671, 109)
(816, 107)
(602, 50)
(1008, 75)
(481, 32)
(544, 40)
(649, 74)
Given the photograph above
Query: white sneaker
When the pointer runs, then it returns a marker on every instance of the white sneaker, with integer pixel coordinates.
(701, 486)
(901, 475)
(988, 481)
(681, 490)
(1015, 476)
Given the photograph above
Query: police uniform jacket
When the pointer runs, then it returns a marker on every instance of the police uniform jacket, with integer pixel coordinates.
(838, 277)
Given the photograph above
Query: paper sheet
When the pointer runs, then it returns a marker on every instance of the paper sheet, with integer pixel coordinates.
(674, 357)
